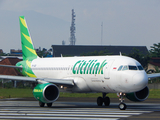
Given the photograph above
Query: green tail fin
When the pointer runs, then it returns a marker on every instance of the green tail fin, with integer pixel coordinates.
(28, 50)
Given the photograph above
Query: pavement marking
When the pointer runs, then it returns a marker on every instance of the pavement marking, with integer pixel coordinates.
(70, 111)
(67, 113)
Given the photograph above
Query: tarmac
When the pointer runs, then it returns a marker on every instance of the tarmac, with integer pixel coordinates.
(78, 108)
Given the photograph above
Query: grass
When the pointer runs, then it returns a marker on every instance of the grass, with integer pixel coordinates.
(15, 93)
(90, 95)
(154, 93)
(20, 93)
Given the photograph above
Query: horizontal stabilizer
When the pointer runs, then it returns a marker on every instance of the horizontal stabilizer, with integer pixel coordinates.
(10, 66)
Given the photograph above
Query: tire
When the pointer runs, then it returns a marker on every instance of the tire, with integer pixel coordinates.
(122, 106)
(99, 101)
(106, 101)
(41, 104)
(49, 104)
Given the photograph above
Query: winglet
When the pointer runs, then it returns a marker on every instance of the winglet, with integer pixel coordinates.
(26, 41)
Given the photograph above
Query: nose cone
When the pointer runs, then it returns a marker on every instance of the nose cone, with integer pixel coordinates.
(140, 80)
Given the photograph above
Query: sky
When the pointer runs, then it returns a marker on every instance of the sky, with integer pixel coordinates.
(125, 22)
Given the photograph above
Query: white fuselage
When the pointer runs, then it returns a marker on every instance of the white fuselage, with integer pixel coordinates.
(95, 73)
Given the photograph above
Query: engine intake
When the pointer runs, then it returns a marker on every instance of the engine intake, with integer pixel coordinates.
(138, 96)
(46, 93)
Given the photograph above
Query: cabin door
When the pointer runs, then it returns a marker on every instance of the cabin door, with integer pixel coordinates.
(107, 69)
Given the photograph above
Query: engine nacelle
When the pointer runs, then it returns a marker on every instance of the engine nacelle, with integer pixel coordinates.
(138, 96)
(46, 93)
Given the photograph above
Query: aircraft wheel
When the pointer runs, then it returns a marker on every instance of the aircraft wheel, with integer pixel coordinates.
(106, 101)
(99, 101)
(41, 104)
(49, 104)
(122, 106)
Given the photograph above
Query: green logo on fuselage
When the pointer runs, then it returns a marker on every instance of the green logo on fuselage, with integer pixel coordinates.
(88, 67)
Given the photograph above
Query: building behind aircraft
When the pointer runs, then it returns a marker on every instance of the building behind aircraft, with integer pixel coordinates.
(78, 50)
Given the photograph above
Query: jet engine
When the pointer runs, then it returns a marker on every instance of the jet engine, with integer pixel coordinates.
(138, 96)
(46, 93)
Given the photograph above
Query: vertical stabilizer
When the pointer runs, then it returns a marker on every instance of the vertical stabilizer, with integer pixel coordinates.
(28, 50)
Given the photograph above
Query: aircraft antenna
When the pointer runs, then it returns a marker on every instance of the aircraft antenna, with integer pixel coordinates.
(120, 53)
(72, 29)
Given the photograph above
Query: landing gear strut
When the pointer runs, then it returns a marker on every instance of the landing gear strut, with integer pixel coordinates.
(122, 105)
(49, 104)
(41, 104)
(105, 100)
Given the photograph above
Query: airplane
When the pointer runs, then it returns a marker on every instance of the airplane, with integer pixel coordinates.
(91, 74)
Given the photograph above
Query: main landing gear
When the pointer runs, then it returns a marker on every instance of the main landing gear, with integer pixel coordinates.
(122, 105)
(105, 100)
(41, 104)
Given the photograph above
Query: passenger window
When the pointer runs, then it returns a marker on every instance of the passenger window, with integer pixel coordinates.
(120, 68)
(132, 67)
(140, 67)
(125, 67)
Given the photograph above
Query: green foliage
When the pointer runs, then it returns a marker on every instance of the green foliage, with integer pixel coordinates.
(20, 84)
(4, 54)
(157, 69)
(155, 50)
(143, 59)
(42, 53)
(8, 85)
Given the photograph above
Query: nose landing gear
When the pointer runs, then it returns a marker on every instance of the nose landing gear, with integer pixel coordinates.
(122, 105)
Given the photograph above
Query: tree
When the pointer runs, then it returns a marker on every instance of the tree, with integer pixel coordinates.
(143, 59)
(42, 53)
(4, 54)
(155, 50)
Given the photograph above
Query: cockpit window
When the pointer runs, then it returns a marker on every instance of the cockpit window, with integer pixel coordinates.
(125, 67)
(132, 67)
(140, 67)
(120, 68)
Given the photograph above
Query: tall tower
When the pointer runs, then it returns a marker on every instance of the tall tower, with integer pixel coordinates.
(72, 29)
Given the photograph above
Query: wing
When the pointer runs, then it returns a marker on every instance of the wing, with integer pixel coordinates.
(152, 76)
(65, 82)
